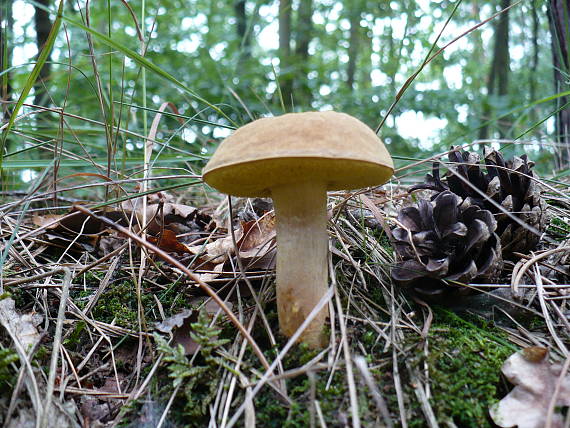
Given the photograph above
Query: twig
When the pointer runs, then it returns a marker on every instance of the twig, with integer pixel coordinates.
(348, 364)
(55, 347)
(360, 363)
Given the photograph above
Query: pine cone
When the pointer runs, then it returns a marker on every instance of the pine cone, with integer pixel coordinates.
(445, 240)
(509, 184)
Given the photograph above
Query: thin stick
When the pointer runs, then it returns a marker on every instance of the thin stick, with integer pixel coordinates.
(348, 365)
(360, 363)
(56, 344)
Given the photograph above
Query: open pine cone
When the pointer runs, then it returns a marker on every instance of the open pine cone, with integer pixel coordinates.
(445, 240)
(508, 183)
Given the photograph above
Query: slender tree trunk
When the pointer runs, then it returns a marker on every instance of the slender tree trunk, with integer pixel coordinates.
(285, 60)
(43, 27)
(534, 59)
(303, 39)
(559, 21)
(242, 32)
(498, 79)
(6, 26)
(353, 42)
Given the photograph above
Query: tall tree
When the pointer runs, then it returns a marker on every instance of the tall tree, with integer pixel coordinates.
(43, 27)
(559, 21)
(285, 60)
(6, 25)
(242, 31)
(302, 40)
(354, 18)
(498, 78)
(534, 58)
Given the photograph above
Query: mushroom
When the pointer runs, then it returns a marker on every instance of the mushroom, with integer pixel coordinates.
(295, 159)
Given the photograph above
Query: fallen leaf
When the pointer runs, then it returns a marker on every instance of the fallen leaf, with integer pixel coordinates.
(218, 251)
(257, 235)
(217, 270)
(20, 326)
(168, 241)
(59, 416)
(173, 322)
(180, 325)
(178, 217)
(257, 247)
(535, 380)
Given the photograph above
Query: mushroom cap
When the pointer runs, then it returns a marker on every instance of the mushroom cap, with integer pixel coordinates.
(329, 147)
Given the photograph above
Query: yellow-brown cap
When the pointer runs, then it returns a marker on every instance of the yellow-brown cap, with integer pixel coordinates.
(330, 147)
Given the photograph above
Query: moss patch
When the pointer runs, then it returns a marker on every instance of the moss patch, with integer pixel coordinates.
(465, 368)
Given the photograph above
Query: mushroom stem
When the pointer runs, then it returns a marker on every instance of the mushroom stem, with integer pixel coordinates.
(302, 248)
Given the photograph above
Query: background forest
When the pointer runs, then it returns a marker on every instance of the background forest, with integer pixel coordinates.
(253, 58)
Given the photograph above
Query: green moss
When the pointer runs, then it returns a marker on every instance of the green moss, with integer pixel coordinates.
(271, 412)
(464, 364)
(7, 377)
(119, 302)
(74, 337)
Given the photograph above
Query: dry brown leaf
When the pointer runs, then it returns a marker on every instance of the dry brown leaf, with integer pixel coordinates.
(173, 322)
(50, 221)
(180, 325)
(208, 276)
(219, 250)
(258, 237)
(177, 217)
(78, 223)
(535, 380)
(168, 241)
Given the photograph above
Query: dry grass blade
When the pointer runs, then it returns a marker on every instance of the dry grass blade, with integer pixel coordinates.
(360, 363)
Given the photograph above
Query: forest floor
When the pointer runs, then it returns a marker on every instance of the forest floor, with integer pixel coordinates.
(140, 343)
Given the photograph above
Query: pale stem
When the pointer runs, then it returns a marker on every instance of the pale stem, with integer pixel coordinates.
(302, 249)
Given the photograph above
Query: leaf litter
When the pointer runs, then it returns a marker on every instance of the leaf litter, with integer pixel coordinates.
(111, 360)
(541, 389)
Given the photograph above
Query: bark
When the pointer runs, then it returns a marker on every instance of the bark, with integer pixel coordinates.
(354, 40)
(43, 27)
(534, 59)
(242, 31)
(303, 39)
(559, 22)
(498, 78)
(285, 60)
(6, 26)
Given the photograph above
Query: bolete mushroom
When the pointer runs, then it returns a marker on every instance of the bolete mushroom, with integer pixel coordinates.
(295, 159)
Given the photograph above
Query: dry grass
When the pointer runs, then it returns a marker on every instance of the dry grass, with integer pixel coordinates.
(376, 370)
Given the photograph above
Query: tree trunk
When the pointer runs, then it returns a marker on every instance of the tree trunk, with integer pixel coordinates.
(559, 21)
(303, 39)
(6, 25)
(43, 27)
(534, 59)
(353, 41)
(285, 60)
(243, 35)
(498, 79)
